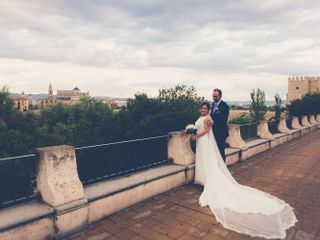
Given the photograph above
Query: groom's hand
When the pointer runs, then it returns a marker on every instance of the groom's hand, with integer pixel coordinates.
(193, 137)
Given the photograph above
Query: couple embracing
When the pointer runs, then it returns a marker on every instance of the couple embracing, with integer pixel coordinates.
(237, 207)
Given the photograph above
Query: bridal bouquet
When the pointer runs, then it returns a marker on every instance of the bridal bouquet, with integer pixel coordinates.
(191, 129)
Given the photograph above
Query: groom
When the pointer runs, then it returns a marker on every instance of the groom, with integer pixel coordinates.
(219, 114)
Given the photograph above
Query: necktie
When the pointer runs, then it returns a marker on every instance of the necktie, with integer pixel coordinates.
(214, 108)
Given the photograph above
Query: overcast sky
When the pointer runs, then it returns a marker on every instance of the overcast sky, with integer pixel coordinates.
(122, 47)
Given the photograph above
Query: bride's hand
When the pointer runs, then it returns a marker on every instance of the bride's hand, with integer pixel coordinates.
(193, 137)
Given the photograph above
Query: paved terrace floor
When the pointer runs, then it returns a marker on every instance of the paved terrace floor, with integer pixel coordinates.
(290, 172)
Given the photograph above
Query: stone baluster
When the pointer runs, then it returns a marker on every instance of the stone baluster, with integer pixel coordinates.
(312, 120)
(305, 122)
(263, 130)
(295, 123)
(235, 140)
(60, 187)
(282, 126)
(179, 149)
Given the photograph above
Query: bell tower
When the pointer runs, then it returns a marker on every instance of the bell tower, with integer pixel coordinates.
(50, 92)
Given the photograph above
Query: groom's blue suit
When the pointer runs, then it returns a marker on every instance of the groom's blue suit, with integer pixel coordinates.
(220, 131)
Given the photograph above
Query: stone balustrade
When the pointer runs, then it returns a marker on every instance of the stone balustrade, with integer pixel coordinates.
(67, 206)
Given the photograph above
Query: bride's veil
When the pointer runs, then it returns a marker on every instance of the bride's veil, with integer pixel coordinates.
(240, 208)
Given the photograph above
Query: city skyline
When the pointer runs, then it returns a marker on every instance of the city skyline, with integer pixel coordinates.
(117, 49)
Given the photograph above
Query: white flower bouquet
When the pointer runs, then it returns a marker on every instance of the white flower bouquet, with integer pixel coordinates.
(191, 129)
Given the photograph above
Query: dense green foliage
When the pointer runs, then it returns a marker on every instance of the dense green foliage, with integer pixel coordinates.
(91, 122)
(278, 106)
(258, 106)
(309, 104)
(241, 120)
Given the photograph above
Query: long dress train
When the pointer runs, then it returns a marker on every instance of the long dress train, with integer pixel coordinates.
(237, 207)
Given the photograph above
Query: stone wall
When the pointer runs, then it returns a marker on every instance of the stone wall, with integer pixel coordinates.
(67, 206)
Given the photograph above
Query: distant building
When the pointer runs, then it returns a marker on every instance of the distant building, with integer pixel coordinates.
(64, 96)
(70, 96)
(299, 86)
(49, 100)
(22, 102)
(115, 103)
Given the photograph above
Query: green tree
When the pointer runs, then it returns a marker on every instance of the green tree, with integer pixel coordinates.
(278, 106)
(243, 119)
(172, 110)
(181, 107)
(140, 118)
(258, 107)
(85, 123)
(91, 122)
(16, 128)
(307, 105)
(6, 103)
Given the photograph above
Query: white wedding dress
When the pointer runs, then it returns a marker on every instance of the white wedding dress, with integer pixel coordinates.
(237, 207)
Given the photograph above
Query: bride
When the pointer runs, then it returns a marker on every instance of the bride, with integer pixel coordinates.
(237, 207)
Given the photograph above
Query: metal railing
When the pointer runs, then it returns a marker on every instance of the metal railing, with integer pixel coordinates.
(289, 123)
(248, 131)
(94, 163)
(18, 179)
(99, 162)
(273, 126)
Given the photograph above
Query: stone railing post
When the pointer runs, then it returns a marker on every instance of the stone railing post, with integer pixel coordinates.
(60, 187)
(263, 130)
(282, 126)
(179, 149)
(305, 122)
(312, 120)
(234, 140)
(295, 123)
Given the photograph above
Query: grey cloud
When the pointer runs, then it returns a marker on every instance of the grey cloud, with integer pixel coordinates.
(212, 36)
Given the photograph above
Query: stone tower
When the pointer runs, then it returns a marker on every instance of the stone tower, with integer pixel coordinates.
(50, 92)
(299, 86)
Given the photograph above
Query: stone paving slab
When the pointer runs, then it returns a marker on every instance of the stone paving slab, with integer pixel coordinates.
(290, 172)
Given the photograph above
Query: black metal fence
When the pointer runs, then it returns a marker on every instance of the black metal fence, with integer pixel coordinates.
(18, 179)
(95, 163)
(248, 131)
(289, 123)
(104, 161)
(273, 126)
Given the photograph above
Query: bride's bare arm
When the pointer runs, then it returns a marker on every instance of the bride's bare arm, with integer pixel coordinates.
(207, 124)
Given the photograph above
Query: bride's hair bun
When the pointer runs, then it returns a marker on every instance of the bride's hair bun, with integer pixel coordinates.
(205, 103)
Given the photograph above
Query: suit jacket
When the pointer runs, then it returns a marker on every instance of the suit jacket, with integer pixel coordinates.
(220, 118)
